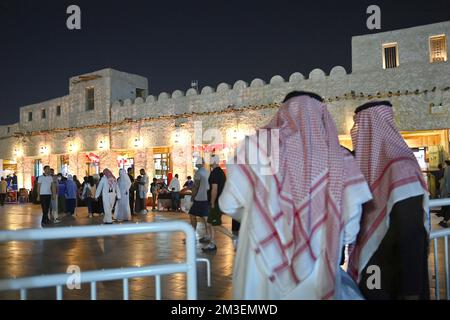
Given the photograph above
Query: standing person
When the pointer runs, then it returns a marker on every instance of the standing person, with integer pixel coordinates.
(79, 190)
(3, 190)
(44, 194)
(144, 185)
(54, 203)
(174, 188)
(139, 195)
(216, 183)
(88, 195)
(439, 174)
(61, 194)
(14, 182)
(200, 206)
(85, 181)
(444, 190)
(100, 200)
(298, 207)
(132, 190)
(98, 205)
(109, 191)
(394, 224)
(82, 201)
(154, 192)
(71, 196)
(123, 212)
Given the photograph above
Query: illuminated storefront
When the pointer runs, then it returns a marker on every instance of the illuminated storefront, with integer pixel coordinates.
(429, 146)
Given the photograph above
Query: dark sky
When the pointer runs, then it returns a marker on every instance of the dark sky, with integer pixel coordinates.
(172, 42)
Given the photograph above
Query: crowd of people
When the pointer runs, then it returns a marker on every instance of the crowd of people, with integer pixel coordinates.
(114, 199)
(325, 207)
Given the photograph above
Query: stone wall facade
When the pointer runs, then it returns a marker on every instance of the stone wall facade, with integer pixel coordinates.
(122, 123)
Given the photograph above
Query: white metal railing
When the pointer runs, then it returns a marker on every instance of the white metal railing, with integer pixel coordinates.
(435, 236)
(92, 277)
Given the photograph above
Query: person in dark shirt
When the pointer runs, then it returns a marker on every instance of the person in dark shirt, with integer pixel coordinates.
(216, 181)
(189, 183)
(14, 182)
(132, 190)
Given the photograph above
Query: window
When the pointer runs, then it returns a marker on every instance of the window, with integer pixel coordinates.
(161, 163)
(63, 164)
(438, 49)
(390, 55)
(140, 93)
(30, 116)
(89, 98)
(58, 111)
(38, 169)
(8, 130)
(43, 114)
(92, 168)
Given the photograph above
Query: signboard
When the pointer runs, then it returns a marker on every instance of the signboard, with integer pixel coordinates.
(93, 157)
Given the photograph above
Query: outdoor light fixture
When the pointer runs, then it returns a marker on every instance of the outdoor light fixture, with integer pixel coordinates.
(44, 150)
(137, 142)
(72, 147)
(18, 152)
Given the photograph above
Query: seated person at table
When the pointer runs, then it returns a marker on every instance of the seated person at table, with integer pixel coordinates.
(187, 187)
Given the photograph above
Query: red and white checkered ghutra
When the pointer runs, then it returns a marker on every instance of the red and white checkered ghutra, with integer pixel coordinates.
(299, 209)
(392, 172)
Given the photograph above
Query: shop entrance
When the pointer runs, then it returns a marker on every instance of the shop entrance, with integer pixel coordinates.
(63, 164)
(162, 163)
(125, 161)
(38, 169)
(93, 164)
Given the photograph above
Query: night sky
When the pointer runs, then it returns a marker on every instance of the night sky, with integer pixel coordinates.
(172, 43)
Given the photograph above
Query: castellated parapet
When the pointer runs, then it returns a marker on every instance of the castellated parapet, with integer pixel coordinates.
(414, 87)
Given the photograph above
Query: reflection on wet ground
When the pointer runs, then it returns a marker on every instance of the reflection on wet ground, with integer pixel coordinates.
(19, 259)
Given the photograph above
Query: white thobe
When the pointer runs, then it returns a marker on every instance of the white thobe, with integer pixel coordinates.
(109, 197)
(249, 279)
(123, 211)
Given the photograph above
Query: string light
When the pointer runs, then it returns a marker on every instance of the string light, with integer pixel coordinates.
(232, 109)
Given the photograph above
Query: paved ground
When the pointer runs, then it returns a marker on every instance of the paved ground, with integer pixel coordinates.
(19, 259)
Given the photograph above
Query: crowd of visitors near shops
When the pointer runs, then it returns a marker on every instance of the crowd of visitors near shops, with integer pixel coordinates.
(117, 199)
(102, 194)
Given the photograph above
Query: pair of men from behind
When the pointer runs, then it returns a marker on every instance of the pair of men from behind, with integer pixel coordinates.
(320, 198)
(205, 195)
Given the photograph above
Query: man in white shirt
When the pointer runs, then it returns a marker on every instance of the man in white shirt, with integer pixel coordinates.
(45, 185)
(174, 188)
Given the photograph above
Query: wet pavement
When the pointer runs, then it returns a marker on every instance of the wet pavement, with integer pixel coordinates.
(20, 259)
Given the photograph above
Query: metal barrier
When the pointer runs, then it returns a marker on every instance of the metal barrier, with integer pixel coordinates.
(435, 236)
(60, 280)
